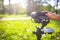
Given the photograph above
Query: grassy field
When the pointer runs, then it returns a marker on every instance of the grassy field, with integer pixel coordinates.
(22, 30)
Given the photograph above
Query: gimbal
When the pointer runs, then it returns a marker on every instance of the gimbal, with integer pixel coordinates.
(40, 17)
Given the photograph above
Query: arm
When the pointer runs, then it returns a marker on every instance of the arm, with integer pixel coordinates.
(56, 17)
(53, 16)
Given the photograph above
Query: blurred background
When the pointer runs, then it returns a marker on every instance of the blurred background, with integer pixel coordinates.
(15, 20)
(28, 6)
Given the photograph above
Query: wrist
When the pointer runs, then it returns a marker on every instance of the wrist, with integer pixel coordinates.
(56, 17)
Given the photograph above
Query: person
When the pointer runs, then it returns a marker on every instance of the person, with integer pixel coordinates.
(53, 16)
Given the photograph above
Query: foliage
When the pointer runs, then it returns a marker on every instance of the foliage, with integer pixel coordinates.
(58, 11)
(22, 30)
(47, 8)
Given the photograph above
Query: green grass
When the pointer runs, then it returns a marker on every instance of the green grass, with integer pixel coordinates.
(22, 30)
(12, 16)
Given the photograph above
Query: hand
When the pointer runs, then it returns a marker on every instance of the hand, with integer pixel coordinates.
(51, 15)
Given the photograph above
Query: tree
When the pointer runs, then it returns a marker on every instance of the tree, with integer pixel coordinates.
(29, 6)
(2, 9)
(33, 5)
(9, 9)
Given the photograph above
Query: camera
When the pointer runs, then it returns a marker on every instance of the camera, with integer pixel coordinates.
(40, 17)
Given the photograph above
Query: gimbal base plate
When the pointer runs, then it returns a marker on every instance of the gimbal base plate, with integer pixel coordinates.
(48, 30)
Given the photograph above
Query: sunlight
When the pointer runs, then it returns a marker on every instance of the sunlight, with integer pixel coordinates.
(20, 2)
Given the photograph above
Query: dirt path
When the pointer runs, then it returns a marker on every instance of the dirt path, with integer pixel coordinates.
(21, 18)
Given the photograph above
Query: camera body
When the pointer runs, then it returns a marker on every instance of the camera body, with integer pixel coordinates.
(40, 17)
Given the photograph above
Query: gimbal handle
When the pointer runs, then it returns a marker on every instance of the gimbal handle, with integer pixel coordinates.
(40, 18)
